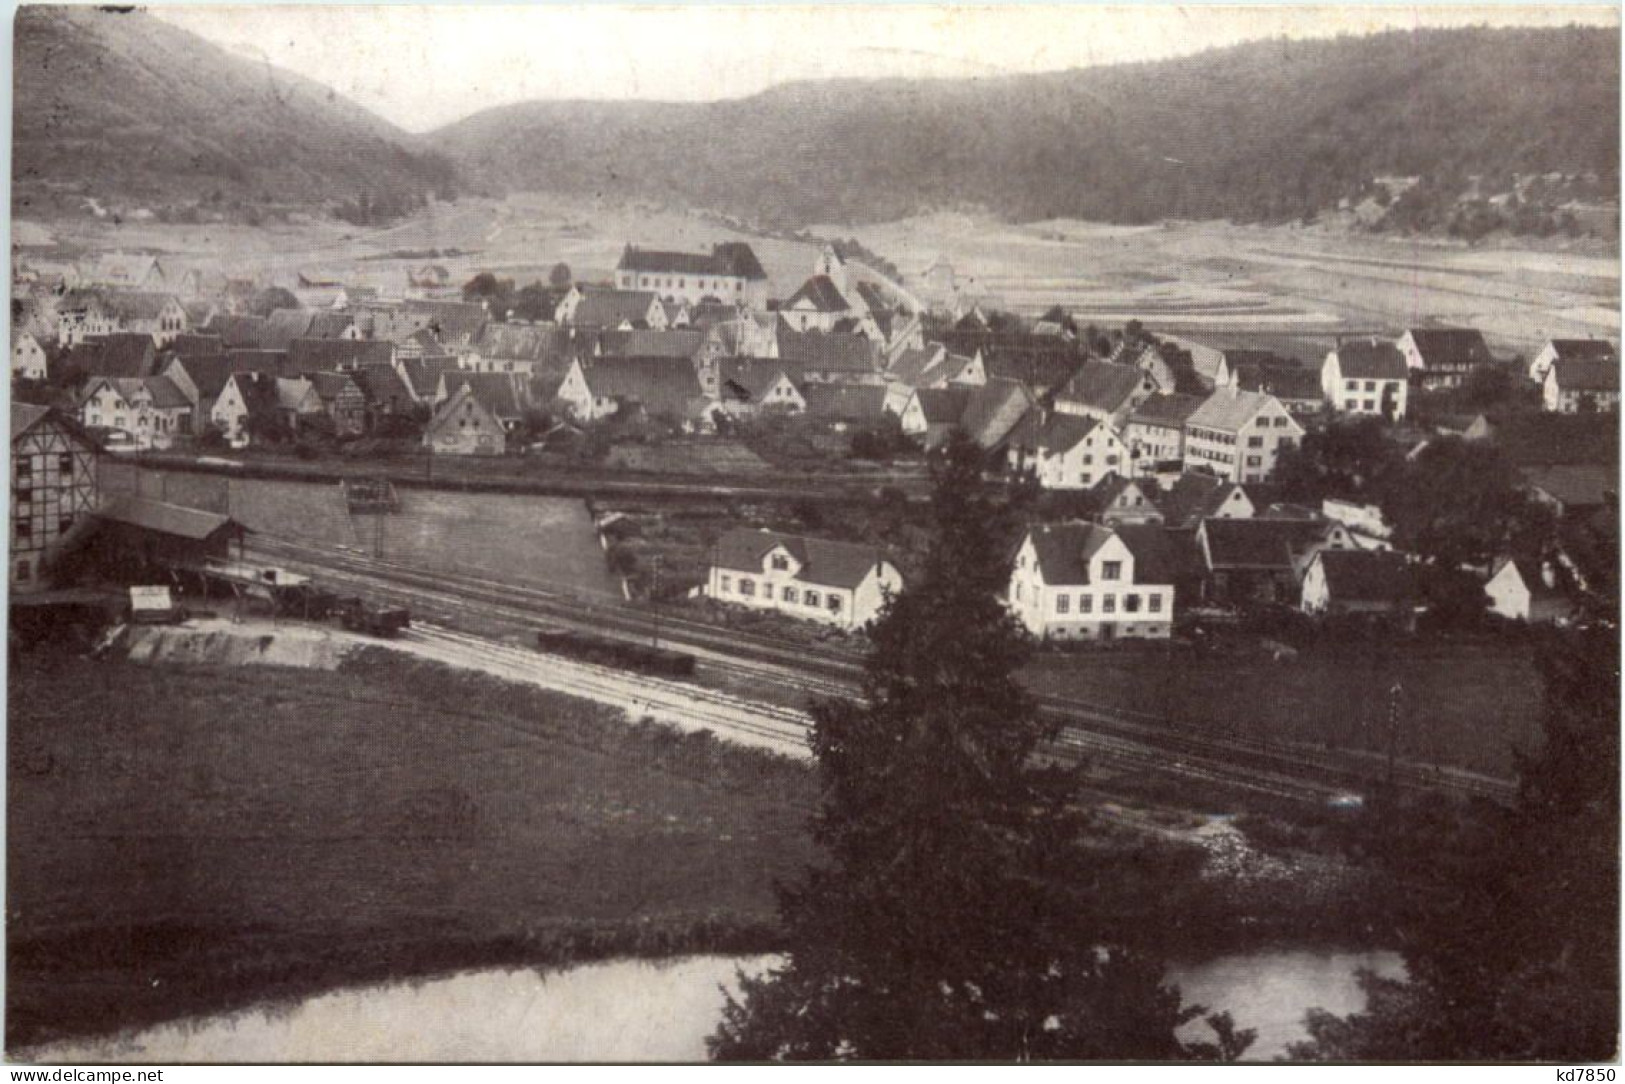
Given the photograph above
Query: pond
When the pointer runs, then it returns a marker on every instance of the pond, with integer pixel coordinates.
(635, 1010)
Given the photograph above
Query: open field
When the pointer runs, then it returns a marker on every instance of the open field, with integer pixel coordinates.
(1459, 705)
(183, 839)
(1233, 280)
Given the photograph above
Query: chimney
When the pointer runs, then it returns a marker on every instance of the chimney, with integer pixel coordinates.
(1548, 574)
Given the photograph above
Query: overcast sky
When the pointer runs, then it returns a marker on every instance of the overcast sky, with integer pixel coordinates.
(423, 66)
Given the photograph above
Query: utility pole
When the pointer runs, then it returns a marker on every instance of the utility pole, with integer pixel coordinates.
(654, 597)
(1393, 729)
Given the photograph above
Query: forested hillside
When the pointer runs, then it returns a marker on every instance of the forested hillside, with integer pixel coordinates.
(1266, 130)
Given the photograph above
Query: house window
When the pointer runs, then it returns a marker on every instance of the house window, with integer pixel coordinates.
(25, 469)
(25, 527)
(23, 571)
(1086, 604)
(781, 563)
(1018, 592)
(1108, 604)
(811, 598)
(1154, 603)
(835, 604)
(789, 594)
(1063, 603)
(1253, 461)
(1370, 385)
(1370, 404)
(1255, 442)
(1111, 570)
(64, 462)
(64, 524)
(1131, 604)
(727, 584)
(747, 587)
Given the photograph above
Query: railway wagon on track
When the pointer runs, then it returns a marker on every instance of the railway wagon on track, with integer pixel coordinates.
(618, 653)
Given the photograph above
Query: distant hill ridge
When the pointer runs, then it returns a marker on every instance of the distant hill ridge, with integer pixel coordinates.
(1267, 129)
(125, 106)
(122, 105)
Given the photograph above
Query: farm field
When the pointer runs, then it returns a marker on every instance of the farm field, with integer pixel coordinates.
(197, 838)
(1235, 281)
(1463, 706)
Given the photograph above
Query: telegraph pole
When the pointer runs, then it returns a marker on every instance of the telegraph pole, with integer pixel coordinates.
(654, 597)
(1393, 729)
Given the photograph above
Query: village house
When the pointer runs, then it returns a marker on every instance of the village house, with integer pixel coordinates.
(53, 492)
(1574, 349)
(837, 583)
(1368, 527)
(1102, 390)
(123, 271)
(731, 273)
(253, 402)
(1121, 501)
(1341, 582)
(118, 354)
(83, 314)
(1297, 388)
(817, 306)
(422, 375)
(339, 355)
(748, 386)
(843, 405)
(342, 400)
(27, 356)
(625, 310)
(1263, 560)
(152, 410)
(1080, 581)
(1367, 377)
(1442, 357)
(521, 348)
(830, 358)
(157, 314)
(462, 425)
(607, 386)
(932, 413)
(1581, 386)
(388, 396)
(1155, 432)
(1239, 435)
(502, 395)
(994, 412)
(1195, 496)
(1066, 451)
(1523, 590)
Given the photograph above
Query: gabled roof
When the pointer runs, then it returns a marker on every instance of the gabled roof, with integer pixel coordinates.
(828, 351)
(282, 327)
(1595, 349)
(1530, 573)
(1161, 555)
(192, 345)
(1575, 485)
(872, 298)
(821, 293)
(164, 518)
(824, 563)
(943, 406)
(236, 331)
(423, 374)
(135, 305)
(329, 386)
(291, 392)
(124, 353)
(1054, 433)
(845, 402)
(994, 410)
(1260, 543)
(1169, 409)
(1370, 359)
(165, 394)
(661, 262)
(608, 308)
(1366, 575)
(1451, 347)
(521, 342)
(453, 322)
(912, 364)
(328, 325)
(752, 377)
(1586, 374)
(1063, 550)
(1228, 409)
(25, 416)
(641, 343)
(1194, 496)
(661, 385)
(1102, 385)
(1114, 485)
(707, 313)
(1284, 383)
(1041, 370)
(328, 355)
(382, 386)
(741, 260)
(498, 393)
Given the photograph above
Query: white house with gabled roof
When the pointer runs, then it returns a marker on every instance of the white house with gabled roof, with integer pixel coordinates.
(844, 584)
(1239, 435)
(1081, 581)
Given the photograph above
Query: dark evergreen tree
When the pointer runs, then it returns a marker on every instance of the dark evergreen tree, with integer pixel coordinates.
(957, 916)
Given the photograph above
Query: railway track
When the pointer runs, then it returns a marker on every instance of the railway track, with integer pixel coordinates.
(1254, 764)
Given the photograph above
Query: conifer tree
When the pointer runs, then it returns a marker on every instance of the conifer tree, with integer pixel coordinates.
(953, 917)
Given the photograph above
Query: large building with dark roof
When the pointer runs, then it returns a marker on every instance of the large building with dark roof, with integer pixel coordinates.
(730, 272)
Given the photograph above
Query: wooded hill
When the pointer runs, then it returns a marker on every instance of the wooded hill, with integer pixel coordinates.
(122, 106)
(1266, 130)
